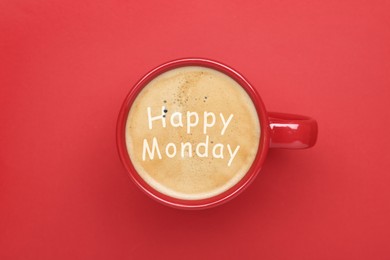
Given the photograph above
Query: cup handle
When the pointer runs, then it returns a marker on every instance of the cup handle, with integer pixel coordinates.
(290, 131)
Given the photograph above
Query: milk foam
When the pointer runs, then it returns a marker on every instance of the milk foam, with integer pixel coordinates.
(215, 121)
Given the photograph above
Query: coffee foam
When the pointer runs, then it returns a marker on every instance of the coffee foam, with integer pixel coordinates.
(193, 90)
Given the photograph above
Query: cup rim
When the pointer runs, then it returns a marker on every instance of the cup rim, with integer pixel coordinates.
(224, 196)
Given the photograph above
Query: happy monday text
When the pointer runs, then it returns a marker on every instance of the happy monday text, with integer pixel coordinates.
(185, 149)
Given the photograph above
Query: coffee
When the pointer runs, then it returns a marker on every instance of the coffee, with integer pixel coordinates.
(192, 133)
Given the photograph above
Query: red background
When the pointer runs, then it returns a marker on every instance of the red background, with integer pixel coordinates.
(66, 67)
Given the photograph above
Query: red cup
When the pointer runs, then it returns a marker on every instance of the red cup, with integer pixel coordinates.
(278, 130)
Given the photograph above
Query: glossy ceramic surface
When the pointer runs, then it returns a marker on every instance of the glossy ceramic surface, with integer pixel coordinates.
(278, 130)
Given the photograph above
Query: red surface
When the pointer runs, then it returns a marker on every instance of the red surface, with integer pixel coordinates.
(66, 66)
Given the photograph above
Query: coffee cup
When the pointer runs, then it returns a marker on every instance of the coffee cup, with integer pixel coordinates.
(194, 133)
